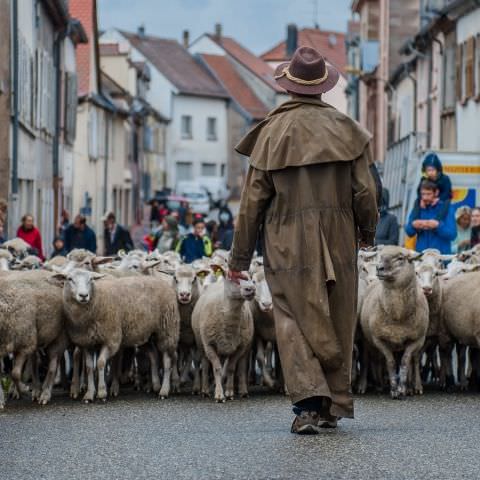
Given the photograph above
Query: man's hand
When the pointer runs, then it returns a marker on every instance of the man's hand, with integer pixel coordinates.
(418, 224)
(235, 276)
(432, 224)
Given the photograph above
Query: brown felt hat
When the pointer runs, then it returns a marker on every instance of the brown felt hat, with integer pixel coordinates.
(307, 73)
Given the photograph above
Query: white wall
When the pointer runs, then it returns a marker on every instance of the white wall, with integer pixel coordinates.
(403, 108)
(198, 149)
(468, 116)
(160, 92)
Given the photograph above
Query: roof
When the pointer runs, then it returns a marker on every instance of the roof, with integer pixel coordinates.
(330, 44)
(253, 63)
(238, 89)
(177, 65)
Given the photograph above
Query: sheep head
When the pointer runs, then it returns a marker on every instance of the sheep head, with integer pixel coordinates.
(395, 266)
(79, 284)
(263, 296)
(185, 278)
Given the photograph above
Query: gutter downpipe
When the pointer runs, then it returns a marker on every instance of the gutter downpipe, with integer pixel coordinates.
(58, 113)
(15, 55)
(105, 167)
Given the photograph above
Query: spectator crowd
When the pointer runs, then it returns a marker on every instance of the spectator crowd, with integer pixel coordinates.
(432, 223)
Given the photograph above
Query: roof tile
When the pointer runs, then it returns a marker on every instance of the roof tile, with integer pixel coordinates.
(177, 65)
(255, 64)
(330, 44)
(236, 86)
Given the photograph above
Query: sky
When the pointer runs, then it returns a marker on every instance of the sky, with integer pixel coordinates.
(257, 24)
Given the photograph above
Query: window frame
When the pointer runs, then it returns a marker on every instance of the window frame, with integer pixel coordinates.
(186, 134)
(212, 136)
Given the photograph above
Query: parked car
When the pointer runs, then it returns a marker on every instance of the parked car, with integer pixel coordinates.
(198, 200)
(214, 187)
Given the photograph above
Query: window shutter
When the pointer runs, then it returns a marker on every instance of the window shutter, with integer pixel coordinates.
(469, 70)
(458, 64)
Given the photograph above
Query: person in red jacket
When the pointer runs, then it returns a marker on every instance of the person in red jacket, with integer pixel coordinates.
(31, 234)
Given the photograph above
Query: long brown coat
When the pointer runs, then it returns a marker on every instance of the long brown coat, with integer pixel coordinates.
(310, 188)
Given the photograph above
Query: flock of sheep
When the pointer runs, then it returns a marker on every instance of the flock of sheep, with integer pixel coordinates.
(97, 324)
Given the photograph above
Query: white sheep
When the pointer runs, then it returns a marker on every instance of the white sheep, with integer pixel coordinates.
(127, 312)
(223, 327)
(394, 317)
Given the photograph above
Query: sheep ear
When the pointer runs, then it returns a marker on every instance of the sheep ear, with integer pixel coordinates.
(58, 275)
(471, 267)
(442, 272)
(101, 260)
(447, 258)
(149, 264)
(414, 256)
(98, 276)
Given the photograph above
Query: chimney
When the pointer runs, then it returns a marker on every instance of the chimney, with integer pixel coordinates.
(141, 31)
(218, 31)
(292, 39)
(186, 38)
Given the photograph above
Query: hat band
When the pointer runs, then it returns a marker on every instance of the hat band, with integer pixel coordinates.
(301, 81)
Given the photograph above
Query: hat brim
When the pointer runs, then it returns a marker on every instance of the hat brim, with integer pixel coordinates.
(294, 87)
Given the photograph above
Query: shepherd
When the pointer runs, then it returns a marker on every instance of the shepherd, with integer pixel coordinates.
(310, 191)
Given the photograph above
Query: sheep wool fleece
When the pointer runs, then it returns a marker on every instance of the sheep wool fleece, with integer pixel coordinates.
(309, 186)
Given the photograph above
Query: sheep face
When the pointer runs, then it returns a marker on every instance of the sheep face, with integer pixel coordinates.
(426, 275)
(185, 279)
(263, 296)
(79, 285)
(395, 266)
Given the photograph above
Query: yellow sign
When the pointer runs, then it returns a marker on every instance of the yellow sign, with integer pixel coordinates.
(459, 169)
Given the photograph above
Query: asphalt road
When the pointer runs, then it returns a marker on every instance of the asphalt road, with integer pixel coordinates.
(140, 437)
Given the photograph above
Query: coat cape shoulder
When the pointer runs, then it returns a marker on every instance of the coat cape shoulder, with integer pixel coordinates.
(303, 131)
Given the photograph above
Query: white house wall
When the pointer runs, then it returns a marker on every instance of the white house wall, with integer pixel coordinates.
(468, 138)
(197, 150)
(205, 45)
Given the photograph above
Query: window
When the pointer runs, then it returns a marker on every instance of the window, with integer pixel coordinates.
(469, 68)
(184, 171)
(92, 134)
(458, 74)
(223, 170)
(209, 169)
(186, 125)
(449, 75)
(211, 128)
(70, 107)
(477, 68)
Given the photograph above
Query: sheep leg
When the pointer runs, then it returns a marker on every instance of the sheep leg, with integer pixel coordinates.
(462, 360)
(105, 354)
(261, 359)
(411, 350)
(2, 397)
(167, 374)
(153, 357)
(205, 376)
(117, 363)
(36, 384)
(242, 370)
(217, 372)
(90, 393)
(417, 385)
(187, 368)
(19, 362)
(75, 386)
(232, 364)
(196, 372)
(362, 383)
(391, 365)
(50, 378)
(175, 375)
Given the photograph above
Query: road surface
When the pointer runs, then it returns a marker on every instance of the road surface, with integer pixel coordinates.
(139, 437)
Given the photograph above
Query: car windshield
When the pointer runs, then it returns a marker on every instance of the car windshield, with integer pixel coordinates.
(195, 195)
(173, 205)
